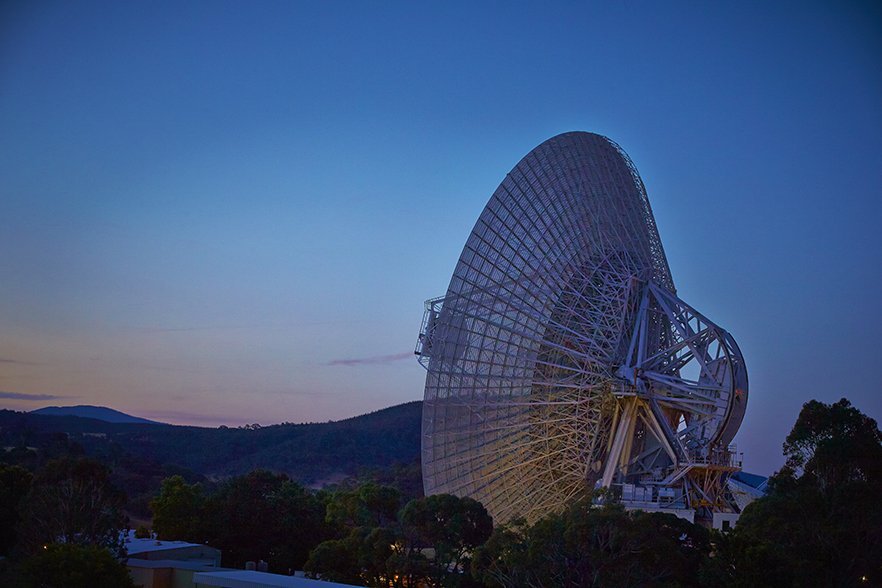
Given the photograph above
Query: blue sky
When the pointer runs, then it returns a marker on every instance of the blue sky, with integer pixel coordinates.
(230, 212)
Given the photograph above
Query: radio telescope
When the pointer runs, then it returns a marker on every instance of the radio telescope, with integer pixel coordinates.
(561, 359)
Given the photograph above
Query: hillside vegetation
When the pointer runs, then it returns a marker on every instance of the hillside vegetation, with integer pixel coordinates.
(142, 455)
(308, 453)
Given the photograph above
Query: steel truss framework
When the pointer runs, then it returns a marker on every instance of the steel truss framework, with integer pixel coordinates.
(561, 359)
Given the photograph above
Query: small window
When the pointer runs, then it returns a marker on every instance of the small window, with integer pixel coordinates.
(727, 525)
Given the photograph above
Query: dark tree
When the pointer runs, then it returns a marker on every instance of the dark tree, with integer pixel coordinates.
(335, 560)
(368, 505)
(452, 528)
(821, 520)
(265, 516)
(589, 546)
(299, 527)
(362, 557)
(179, 511)
(72, 501)
(15, 482)
(407, 478)
(74, 566)
(375, 548)
(833, 446)
(429, 544)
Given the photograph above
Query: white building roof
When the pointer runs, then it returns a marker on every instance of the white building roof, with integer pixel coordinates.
(151, 545)
(135, 546)
(181, 564)
(252, 579)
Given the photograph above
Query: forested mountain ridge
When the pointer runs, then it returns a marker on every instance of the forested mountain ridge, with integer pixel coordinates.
(310, 453)
(102, 413)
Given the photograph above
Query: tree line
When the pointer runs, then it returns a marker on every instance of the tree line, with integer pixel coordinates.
(820, 523)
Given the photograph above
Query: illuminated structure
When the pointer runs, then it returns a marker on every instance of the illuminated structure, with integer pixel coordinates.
(561, 359)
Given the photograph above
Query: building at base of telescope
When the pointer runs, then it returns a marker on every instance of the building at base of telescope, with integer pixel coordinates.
(156, 563)
(743, 488)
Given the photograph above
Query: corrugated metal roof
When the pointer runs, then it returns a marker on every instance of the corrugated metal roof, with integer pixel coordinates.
(752, 480)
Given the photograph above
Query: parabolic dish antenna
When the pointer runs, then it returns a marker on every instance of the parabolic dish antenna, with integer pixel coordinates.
(561, 359)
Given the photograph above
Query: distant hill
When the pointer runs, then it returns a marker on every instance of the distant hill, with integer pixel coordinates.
(313, 453)
(101, 413)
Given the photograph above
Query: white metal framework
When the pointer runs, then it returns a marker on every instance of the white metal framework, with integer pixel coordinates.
(561, 359)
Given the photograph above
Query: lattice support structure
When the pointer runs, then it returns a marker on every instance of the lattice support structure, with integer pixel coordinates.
(557, 360)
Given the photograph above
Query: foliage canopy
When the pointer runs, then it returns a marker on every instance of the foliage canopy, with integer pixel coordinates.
(820, 522)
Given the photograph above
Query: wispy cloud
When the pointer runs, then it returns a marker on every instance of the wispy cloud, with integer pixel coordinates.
(16, 361)
(31, 397)
(372, 360)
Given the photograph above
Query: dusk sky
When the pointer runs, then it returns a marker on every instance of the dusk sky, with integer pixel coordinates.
(232, 212)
